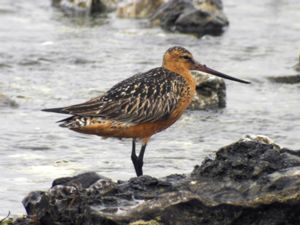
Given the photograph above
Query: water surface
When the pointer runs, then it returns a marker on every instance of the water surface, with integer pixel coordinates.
(50, 60)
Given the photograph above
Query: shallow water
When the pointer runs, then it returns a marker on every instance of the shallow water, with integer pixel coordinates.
(49, 60)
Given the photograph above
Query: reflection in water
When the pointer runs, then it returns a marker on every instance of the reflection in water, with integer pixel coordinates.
(48, 59)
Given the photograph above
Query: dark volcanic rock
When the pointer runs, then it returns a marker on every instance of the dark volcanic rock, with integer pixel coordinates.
(195, 17)
(239, 161)
(84, 180)
(252, 181)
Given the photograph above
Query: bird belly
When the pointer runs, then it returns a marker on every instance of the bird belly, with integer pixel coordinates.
(124, 130)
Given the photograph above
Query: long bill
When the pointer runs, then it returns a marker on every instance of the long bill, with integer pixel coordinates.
(205, 69)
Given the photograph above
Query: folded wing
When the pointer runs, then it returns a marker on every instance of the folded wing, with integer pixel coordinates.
(142, 98)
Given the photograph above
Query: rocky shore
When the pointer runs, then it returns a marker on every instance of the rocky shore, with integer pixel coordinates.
(252, 181)
(198, 17)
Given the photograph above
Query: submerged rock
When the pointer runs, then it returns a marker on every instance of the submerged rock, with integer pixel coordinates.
(138, 8)
(289, 79)
(252, 181)
(85, 6)
(196, 17)
(292, 79)
(7, 102)
(210, 92)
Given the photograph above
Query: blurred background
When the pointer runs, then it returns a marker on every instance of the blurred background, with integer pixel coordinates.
(49, 58)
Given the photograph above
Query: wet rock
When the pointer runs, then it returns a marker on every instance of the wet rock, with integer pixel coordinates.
(85, 6)
(7, 102)
(84, 180)
(211, 93)
(138, 8)
(196, 17)
(252, 181)
(292, 79)
(239, 161)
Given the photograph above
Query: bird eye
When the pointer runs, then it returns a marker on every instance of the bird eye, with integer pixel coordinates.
(187, 57)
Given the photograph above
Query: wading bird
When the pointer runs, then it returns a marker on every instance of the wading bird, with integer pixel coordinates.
(141, 105)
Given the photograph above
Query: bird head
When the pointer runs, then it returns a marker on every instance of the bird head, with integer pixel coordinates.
(180, 60)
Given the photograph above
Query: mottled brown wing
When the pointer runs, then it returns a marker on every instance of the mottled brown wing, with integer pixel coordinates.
(142, 98)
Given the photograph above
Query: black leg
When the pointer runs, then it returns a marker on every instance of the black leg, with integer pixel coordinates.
(138, 161)
(134, 158)
(133, 153)
(141, 155)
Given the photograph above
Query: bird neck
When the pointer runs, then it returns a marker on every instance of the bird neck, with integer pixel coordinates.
(185, 73)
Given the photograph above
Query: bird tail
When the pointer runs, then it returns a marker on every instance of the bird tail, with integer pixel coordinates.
(75, 122)
(70, 122)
